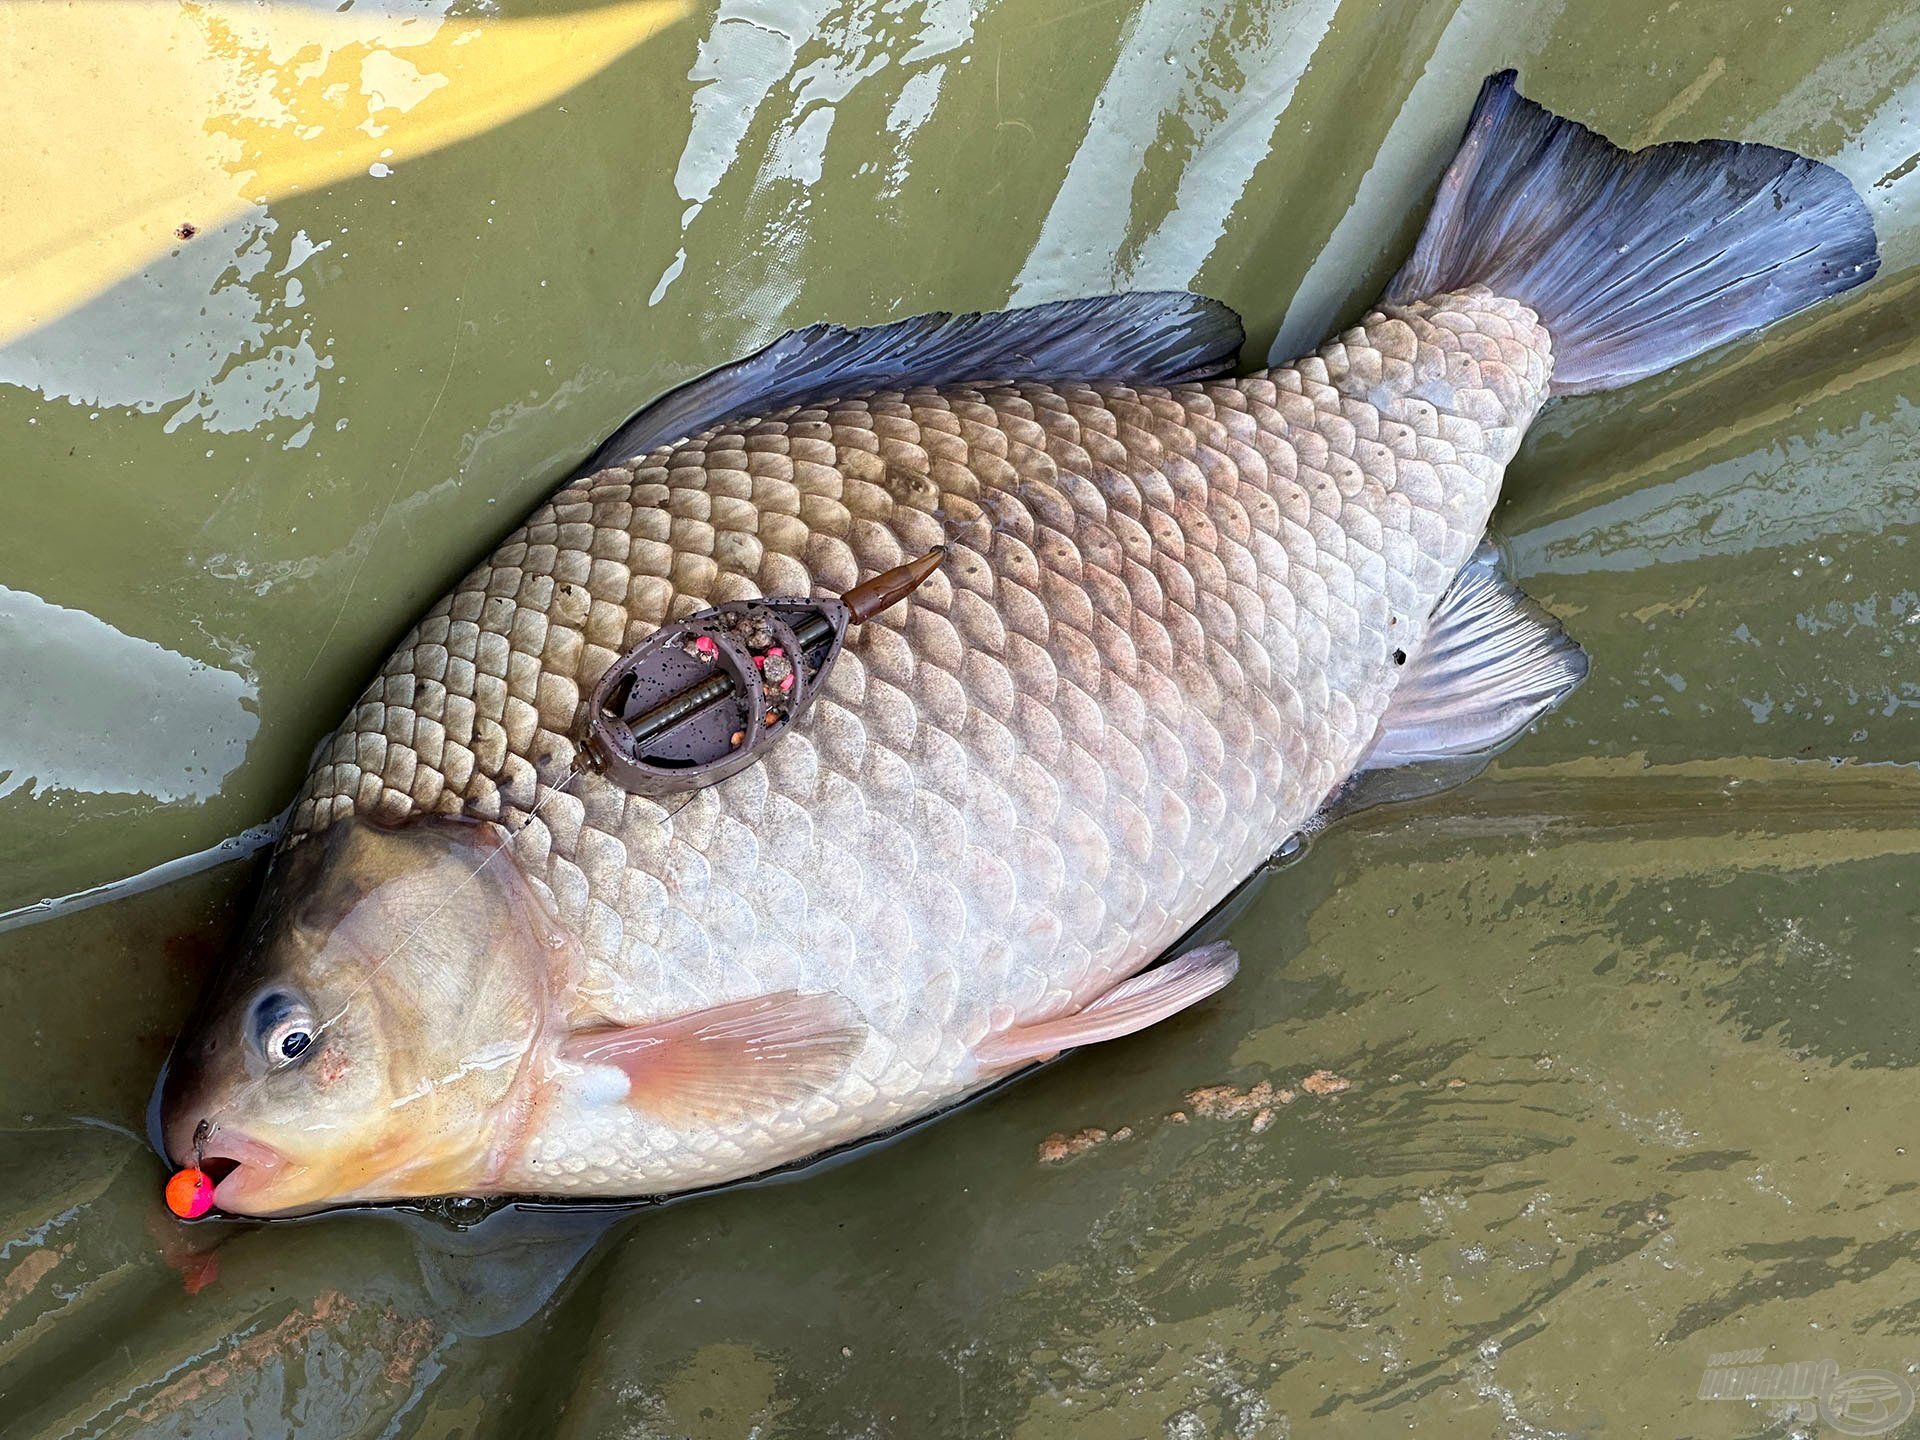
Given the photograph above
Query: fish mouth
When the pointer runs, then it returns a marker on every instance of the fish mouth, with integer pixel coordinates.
(241, 1168)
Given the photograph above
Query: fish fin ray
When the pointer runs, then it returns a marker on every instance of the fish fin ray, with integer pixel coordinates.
(1634, 260)
(1130, 1006)
(1159, 336)
(745, 1058)
(1491, 663)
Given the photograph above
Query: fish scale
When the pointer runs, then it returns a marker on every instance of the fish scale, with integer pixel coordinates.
(1163, 635)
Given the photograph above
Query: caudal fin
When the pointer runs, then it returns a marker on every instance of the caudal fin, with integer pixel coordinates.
(1634, 260)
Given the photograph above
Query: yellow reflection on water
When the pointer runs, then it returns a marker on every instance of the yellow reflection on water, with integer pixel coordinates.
(134, 126)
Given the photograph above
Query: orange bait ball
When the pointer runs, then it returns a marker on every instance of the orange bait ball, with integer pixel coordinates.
(190, 1193)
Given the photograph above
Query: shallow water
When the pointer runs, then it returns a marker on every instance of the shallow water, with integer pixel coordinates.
(1628, 1023)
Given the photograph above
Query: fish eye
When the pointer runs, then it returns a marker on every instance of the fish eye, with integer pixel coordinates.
(281, 1027)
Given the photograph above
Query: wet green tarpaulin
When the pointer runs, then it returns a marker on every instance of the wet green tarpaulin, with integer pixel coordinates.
(301, 307)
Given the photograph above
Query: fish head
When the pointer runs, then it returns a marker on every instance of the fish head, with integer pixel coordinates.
(378, 1033)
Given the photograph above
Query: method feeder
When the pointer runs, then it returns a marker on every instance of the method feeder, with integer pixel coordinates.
(700, 699)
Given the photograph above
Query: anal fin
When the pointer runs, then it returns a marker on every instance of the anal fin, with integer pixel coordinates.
(1491, 664)
(751, 1057)
(1131, 1005)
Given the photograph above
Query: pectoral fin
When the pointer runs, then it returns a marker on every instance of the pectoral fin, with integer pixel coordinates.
(748, 1058)
(1129, 1006)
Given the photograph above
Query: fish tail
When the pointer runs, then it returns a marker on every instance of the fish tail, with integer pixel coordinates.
(1634, 260)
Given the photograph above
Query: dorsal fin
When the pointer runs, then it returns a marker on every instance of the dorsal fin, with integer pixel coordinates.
(1159, 337)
